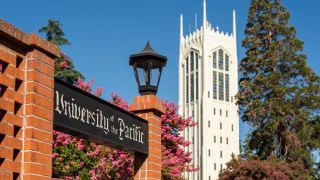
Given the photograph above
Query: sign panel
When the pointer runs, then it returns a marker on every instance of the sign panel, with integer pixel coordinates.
(79, 113)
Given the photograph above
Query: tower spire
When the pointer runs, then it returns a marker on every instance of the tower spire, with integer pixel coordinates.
(234, 25)
(181, 27)
(204, 14)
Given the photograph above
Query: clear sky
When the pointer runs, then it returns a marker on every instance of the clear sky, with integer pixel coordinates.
(104, 34)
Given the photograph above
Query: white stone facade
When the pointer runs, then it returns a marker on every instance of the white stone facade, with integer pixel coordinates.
(208, 83)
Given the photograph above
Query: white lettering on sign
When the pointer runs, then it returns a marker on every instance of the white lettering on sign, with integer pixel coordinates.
(97, 119)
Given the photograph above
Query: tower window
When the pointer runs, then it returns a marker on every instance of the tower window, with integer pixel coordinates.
(220, 112)
(215, 166)
(214, 111)
(227, 87)
(214, 59)
(221, 154)
(227, 62)
(220, 59)
(214, 83)
(197, 61)
(232, 127)
(227, 113)
(221, 87)
(208, 123)
(191, 61)
(227, 141)
(209, 152)
(220, 167)
(187, 65)
(208, 94)
(220, 125)
(214, 139)
(220, 140)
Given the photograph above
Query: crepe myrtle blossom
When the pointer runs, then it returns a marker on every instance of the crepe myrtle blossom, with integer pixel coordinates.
(64, 65)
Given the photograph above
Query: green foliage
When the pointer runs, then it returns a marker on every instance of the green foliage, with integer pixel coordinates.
(270, 169)
(66, 72)
(279, 94)
(72, 161)
(54, 33)
(63, 66)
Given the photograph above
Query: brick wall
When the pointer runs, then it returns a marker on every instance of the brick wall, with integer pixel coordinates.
(150, 108)
(26, 104)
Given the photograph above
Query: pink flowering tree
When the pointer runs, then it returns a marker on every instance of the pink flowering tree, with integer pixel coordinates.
(175, 160)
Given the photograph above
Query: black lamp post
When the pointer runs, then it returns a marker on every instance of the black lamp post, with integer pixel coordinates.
(147, 66)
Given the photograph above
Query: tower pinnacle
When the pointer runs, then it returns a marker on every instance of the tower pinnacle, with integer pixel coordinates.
(181, 27)
(204, 14)
(234, 27)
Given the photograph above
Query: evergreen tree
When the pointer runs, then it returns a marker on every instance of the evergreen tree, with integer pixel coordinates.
(279, 94)
(54, 33)
(64, 67)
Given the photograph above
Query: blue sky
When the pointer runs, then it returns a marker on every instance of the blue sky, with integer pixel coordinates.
(104, 34)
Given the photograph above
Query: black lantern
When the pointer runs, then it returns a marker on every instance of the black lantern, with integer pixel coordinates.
(147, 67)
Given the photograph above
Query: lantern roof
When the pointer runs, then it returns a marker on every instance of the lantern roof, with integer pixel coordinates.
(147, 53)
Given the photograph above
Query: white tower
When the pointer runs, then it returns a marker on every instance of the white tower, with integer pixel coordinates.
(208, 83)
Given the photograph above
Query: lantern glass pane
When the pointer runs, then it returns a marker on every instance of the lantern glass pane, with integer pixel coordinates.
(155, 73)
(142, 76)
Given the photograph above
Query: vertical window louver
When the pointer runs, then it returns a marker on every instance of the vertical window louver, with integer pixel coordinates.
(221, 59)
(192, 61)
(214, 59)
(221, 87)
(227, 62)
(227, 87)
(187, 65)
(197, 61)
(214, 78)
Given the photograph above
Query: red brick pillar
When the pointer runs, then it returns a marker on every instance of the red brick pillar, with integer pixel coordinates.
(26, 104)
(38, 124)
(150, 108)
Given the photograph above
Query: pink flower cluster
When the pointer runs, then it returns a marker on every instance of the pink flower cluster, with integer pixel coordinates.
(98, 91)
(117, 100)
(64, 65)
(86, 86)
(64, 61)
(1, 67)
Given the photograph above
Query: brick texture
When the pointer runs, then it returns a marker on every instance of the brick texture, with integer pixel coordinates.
(26, 104)
(149, 107)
